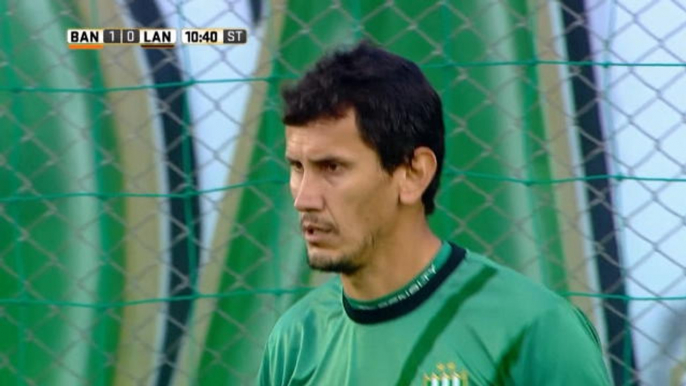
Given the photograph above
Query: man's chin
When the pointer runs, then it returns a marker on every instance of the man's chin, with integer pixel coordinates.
(329, 262)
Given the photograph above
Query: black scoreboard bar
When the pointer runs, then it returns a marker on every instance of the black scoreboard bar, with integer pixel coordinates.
(235, 36)
(97, 38)
(122, 36)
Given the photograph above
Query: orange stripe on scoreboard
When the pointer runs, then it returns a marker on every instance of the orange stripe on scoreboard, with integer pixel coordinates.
(86, 46)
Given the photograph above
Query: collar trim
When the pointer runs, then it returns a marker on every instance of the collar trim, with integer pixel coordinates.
(386, 312)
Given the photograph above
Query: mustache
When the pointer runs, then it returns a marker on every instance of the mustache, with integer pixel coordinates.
(312, 221)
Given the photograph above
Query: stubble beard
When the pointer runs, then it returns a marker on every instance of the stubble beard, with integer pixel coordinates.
(346, 263)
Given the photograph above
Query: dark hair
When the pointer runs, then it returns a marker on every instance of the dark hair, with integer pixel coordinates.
(397, 109)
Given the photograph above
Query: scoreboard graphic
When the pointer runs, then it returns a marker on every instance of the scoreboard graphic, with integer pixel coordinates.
(157, 38)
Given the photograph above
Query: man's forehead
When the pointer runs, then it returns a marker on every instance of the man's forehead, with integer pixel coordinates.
(346, 120)
(323, 134)
(326, 141)
(298, 147)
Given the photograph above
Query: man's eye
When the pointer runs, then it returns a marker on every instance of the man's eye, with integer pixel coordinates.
(297, 166)
(331, 167)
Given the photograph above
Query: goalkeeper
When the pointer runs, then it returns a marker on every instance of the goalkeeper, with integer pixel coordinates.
(365, 143)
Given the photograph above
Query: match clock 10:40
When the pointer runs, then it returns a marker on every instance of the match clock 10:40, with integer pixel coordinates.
(214, 36)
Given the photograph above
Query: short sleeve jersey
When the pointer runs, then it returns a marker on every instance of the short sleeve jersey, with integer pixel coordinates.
(463, 321)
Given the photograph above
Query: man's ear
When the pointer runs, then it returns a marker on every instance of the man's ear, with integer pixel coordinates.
(417, 175)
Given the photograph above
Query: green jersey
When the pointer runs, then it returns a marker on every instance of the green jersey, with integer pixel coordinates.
(464, 320)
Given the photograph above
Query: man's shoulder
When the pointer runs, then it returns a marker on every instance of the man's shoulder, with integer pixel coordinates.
(523, 304)
(538, 334)
(319, 304)
(516, 290)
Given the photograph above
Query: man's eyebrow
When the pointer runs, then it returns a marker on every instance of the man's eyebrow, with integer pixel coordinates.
(330, 159)
(326, 158)
(321, 160)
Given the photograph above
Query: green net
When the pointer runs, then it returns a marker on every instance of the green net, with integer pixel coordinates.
(147, 234)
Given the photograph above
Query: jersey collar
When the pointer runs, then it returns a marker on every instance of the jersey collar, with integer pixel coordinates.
(412, 295)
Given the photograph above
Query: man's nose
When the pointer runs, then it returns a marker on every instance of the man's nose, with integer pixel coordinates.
(307, 193)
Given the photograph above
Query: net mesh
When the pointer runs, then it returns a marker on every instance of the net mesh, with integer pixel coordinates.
(146, 229)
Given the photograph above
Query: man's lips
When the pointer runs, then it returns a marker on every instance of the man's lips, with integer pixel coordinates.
(315, 234)
(308, 226)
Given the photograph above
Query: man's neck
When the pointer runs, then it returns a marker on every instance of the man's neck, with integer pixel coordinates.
(395, 262)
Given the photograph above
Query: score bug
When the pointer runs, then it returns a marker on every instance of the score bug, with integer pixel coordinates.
(203, 36)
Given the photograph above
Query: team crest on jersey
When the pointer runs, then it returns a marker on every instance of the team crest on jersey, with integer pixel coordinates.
(446, 375)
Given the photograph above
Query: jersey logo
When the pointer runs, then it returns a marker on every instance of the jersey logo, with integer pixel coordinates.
(446, 375)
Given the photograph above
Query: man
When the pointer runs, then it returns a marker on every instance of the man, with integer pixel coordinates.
(365, 143)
